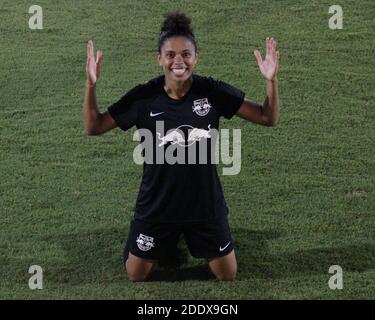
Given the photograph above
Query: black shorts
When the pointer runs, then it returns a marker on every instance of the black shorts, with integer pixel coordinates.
(157, 241)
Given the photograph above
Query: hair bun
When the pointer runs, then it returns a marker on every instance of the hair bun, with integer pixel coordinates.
(176, 22)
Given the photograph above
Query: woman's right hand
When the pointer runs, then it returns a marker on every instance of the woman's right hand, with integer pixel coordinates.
(92, 65)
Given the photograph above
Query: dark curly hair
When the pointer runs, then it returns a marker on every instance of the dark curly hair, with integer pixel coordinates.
(176, 24)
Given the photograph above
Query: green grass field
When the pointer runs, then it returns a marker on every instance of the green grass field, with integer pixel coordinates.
(303, 201)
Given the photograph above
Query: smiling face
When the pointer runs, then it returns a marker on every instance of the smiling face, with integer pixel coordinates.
(178, 58)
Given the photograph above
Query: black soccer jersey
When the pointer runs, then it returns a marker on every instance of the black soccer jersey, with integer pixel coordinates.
(180, 183)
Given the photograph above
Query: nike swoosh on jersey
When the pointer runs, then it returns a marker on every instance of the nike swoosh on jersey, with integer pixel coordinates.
(222, 249)
(155, 114)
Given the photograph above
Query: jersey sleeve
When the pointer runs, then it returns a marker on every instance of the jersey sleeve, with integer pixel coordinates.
(125, 111)
(227, 98)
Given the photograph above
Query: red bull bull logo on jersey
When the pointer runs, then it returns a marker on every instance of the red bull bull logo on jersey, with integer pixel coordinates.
(188, 145)
(197, 134)
(174, 136)
(177, 136)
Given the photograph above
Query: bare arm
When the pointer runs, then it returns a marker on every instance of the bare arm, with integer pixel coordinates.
(269, 113)
(95, 122)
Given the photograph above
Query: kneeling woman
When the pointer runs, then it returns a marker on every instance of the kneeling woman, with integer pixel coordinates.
(180, 199)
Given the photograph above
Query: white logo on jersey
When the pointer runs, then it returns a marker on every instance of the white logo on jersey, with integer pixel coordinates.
(173, 137)
(201, 107)
(145, 243)
(155, 114)
(177, 136)
(197, 134)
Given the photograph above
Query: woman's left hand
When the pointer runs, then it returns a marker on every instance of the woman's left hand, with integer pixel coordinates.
(270, 65)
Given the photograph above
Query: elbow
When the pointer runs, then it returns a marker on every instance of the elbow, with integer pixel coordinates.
(90, 131)
(92, 128)
(270, 122)
(93, 125)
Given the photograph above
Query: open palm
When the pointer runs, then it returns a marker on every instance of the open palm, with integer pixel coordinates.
(92, 65)
(270, 65)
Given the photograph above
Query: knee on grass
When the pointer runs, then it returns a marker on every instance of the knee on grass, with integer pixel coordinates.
(137, 276)
(227, 276)
(138, 272)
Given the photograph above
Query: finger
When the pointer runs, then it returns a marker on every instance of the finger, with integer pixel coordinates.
(267, 45)
(99, 57)
(273, 50)
(276, 55)
(277, 60)
(258, 56)
(88, 66)
(90, 49)
(272, 47)
(275, 44)
(88, 63)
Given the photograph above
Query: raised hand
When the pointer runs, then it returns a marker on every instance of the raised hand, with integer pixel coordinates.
(270, 65)
(92, 65)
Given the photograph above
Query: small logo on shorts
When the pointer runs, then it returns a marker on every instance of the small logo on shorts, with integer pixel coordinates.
(145, 243)
(222, 249)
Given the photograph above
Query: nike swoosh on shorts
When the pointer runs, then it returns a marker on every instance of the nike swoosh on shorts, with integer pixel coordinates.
(222, 249)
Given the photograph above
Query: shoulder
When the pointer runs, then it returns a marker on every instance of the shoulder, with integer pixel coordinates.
(145, 90)
(210, 84)
(203, 82)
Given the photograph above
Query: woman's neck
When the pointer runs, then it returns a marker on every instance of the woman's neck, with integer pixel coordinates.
(177, 90)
